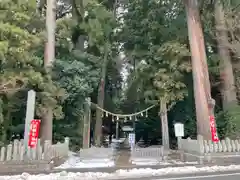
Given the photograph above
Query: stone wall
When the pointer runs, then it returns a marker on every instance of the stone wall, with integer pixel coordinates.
(15, 158)
(202, 146)
(16, 167)
(208, 151)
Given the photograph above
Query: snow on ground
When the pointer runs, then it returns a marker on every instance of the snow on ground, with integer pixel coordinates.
(144, 161)
(180, 162)
(121, 174)
(94, 163)
(75, 161)
(121, 140)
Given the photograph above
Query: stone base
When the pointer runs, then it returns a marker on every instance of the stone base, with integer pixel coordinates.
(212, 158)
(25, 166)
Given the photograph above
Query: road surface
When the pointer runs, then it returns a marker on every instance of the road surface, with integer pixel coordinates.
(234, 175)
(206, 177)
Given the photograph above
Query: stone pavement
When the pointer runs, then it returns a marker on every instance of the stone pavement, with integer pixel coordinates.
(173, 159)
(233, 175)
(123, 158)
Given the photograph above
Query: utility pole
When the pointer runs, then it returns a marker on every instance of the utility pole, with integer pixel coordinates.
(202, 91)
(49, 56)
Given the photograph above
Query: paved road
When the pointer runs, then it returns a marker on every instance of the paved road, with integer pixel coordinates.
(234, 175)
(206, 177)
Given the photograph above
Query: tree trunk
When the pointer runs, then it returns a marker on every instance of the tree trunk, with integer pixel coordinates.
(78, 17)
(78, 13)
(47, 118)
(86, 124)
(47, 125)
(100, 98)
(164, 123)
(199, 68)
(6, 125)
(203, 58)
(226, 69)
(237, 79)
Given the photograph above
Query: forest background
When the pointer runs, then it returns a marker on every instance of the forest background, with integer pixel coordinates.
(122, 54)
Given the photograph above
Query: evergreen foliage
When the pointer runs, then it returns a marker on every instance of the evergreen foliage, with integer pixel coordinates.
(90, 39)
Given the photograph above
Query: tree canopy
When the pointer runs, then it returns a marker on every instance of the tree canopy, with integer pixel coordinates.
(125, 56)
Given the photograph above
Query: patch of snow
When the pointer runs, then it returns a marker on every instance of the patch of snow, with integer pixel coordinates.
(194, 162)
(70, 153)
(151, 163)
(121, 140)
(121, 174)
(180, 162)
(77, 162)
(86, 165)
(143, 161)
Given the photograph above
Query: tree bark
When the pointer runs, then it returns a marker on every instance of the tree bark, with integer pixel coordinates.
(86, 124)
(47, 117)
(237, 79)
(200, 70)
(78, 14)
(100, 98)
(6, 124)
(228, 91)
(101, 91)
(47, 125)
(164, 123)
(203, 58)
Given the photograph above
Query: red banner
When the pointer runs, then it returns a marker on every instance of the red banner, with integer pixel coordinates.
(213, 129)
(34, 133)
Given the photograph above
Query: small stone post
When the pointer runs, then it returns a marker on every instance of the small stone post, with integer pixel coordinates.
(3, 154)
(15, 149)
(9, 152)
(66, 142)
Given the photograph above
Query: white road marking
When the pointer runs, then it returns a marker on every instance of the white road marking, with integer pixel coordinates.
(201, 177)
